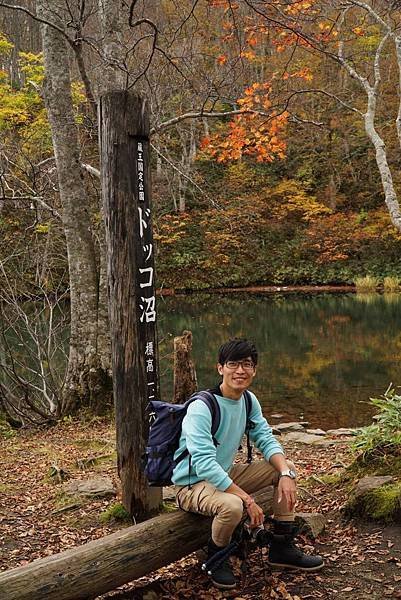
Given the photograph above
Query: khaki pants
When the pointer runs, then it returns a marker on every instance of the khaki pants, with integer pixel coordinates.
(227, 509)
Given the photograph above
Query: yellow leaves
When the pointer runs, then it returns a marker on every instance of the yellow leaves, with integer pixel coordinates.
(293, 200)
(171, 229)
(358, 31)
(22, 112)
(42, 228)
(5, 46)
(327, 31)
(32, 65)
(249, 55)
(78, 93)
(299, 7)
(325, 26)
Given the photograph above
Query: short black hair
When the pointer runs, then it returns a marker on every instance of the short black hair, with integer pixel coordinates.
(237, 349)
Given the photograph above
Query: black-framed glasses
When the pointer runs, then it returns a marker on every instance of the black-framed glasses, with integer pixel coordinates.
(247, 365)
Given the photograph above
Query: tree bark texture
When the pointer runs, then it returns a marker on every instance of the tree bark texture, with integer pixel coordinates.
(185, 382)
(100, 566)
(390, 194)
(372, 93)
(85, 378)
(111, 20)
(124, 143)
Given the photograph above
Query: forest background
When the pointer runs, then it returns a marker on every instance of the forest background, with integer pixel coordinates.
(276, 135)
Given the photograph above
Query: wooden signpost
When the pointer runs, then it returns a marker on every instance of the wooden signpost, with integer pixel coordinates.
(125, 175)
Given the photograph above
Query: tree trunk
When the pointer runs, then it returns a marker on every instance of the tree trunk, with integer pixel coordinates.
(111, 20)
(85, 377)
(390, 194)
(101, 566)
(185, 382)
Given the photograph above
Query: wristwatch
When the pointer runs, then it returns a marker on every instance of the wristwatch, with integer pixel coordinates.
(288, 473)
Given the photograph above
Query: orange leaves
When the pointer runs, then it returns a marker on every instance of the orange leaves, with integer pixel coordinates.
(250, 135)
(226, 5)
(335, 237)
(252, 40)
(304, 73)
(258, 132)
(221, 59)
(256, 97)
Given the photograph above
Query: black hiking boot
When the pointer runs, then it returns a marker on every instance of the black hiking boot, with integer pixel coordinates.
(220, 572)
(284, 553)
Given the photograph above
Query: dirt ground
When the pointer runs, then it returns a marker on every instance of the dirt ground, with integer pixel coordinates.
(362, 560)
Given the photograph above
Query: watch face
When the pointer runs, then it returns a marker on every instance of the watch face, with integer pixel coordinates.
(290, 473)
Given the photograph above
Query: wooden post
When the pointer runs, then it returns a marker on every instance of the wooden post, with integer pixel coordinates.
(125, 175)
(102, 565)
(185, 382)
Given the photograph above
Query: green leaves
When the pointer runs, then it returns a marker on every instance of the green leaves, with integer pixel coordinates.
(384, 436)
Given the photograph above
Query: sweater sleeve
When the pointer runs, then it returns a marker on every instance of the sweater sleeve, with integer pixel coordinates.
(196, 427)
(262, 434)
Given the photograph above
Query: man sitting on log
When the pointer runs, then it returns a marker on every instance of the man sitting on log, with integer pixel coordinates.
(210, 484)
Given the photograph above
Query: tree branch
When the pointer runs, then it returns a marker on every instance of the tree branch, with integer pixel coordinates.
(92, 170)
(168, 161)
(39, 19)
(201, 115)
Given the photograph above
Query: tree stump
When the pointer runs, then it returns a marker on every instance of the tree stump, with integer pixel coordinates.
(185, 382)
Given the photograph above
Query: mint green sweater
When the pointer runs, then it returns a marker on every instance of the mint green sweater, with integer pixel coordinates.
(211, 463)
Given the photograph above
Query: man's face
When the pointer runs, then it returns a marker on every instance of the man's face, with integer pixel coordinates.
(237, 374)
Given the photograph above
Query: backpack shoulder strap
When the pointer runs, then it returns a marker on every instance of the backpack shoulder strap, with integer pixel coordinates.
(210, 400)
(249, 424)
(248, 407)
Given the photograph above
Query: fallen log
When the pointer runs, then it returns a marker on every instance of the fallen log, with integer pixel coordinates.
(103, 565)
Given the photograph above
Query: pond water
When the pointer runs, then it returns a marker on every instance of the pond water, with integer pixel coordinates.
(321, 356)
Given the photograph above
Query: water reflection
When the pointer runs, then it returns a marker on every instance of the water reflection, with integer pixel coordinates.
(321, 356)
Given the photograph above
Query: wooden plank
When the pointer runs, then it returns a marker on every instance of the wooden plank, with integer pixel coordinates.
(102, 565)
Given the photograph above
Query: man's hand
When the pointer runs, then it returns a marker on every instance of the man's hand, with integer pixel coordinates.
(287, 491)
(256, 515)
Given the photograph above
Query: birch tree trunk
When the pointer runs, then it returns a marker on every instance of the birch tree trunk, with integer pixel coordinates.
(372, 94)
(86, 378)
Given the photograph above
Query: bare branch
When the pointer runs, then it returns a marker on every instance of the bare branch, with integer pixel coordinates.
(201, 115)
(372, 13)
(152, 52)
(92, 170)
(168, 161)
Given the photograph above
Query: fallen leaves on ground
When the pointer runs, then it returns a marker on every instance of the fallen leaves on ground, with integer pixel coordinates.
(362, 560)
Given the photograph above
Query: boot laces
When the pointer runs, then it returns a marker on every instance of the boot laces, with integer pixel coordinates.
(298, 552)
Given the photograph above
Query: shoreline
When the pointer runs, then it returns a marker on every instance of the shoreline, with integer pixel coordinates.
(254, 289)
